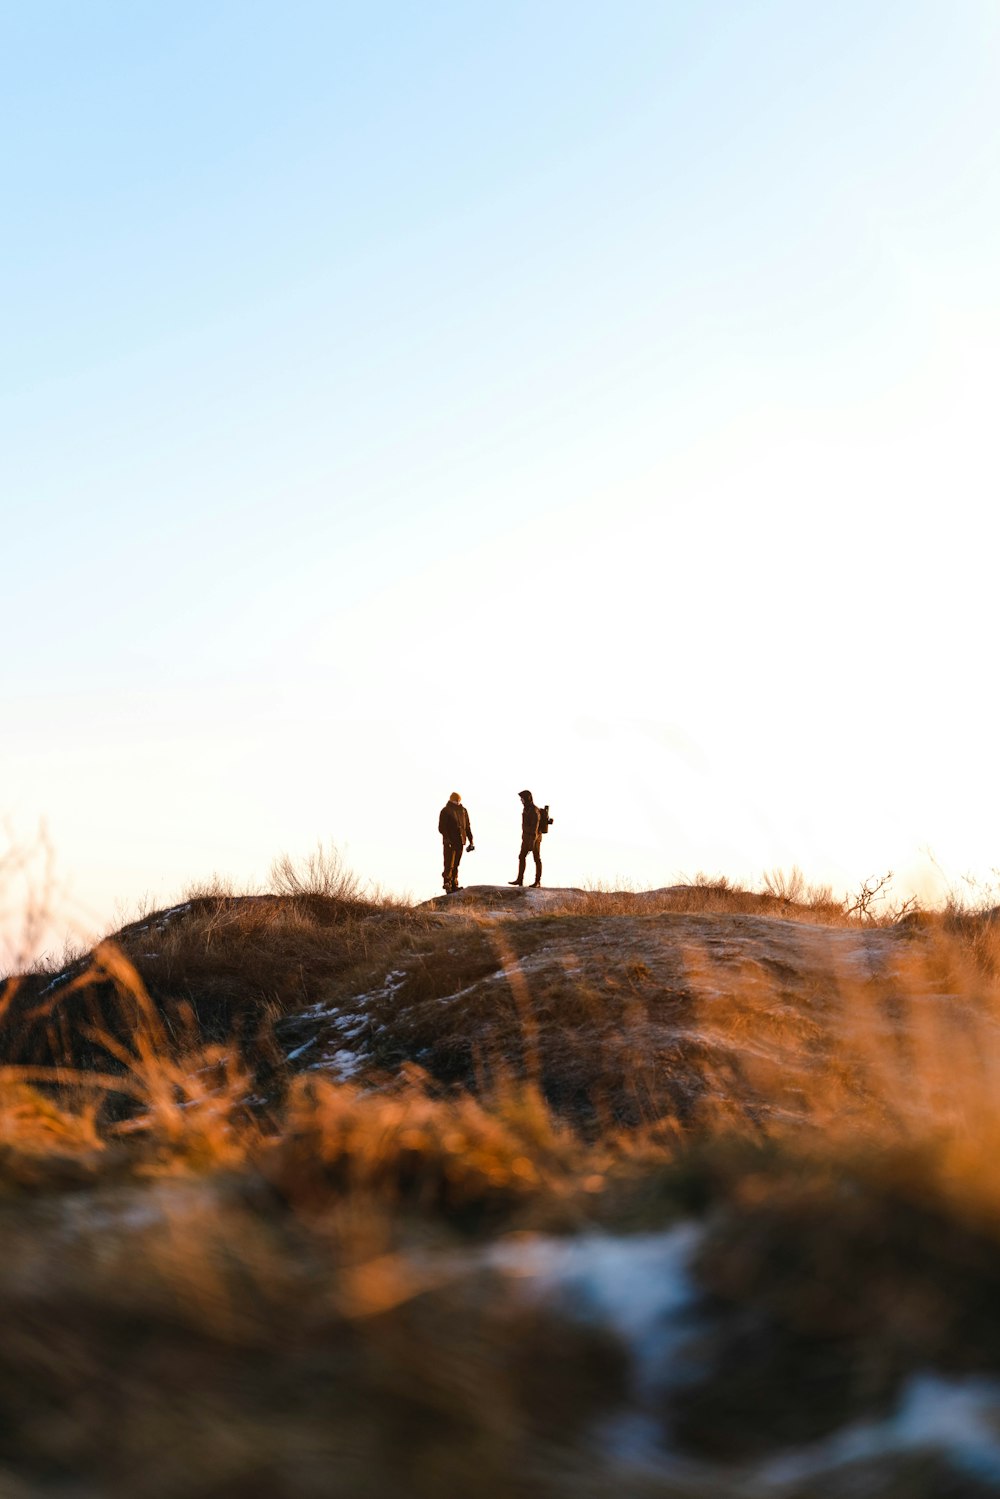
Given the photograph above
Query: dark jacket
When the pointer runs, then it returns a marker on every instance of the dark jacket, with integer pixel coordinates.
(454, 825)
(531, 819)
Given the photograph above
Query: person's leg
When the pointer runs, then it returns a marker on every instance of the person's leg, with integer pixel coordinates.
(522, 860)
(457, 853)
(536, 849)
(449, 864)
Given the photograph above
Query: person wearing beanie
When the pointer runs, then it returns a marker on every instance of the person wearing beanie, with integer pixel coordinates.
(456, 830)
(534, 822)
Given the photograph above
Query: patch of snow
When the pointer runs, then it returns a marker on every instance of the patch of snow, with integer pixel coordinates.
(321, 1011)
(132, 1209)
(640, 1288)
(637, 1285)
(293, 1056)
(60, 978)
(343, 1064)
(958, 1418)
(488, 978)
(336, 1057)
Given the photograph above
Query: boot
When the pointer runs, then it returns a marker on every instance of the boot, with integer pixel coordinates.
(515, 882)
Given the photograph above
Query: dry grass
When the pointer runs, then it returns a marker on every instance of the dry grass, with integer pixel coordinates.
(323, 872)
(830, 1089)
(657, 1017)
(218, 969)
(29, 892)
(474, 1164)
(783, 893)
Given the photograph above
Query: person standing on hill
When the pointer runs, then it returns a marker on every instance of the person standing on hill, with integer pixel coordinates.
(456, 830)
(534, 822)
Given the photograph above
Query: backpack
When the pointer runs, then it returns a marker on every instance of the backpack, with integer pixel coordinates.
(544, 819)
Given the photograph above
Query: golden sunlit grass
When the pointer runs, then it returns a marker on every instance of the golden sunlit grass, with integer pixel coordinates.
(296, 1248)
(846, 1046)
(782, 893)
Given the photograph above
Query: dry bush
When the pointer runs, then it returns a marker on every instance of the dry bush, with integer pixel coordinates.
(47, 1142)
(269, 952)
(468, 1160)
(41, 1123)
(792, 888)
(324, 873)
(188, 1105)
(786, 895)
(216, 887)
(193, 1108)
(29, 892)
(218, 970)
(232, 961)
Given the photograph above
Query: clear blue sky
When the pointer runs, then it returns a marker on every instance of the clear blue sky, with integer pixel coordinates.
(401, 398)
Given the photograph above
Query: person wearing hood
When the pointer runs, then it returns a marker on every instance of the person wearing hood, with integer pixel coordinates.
(534, 822)
(456, 831)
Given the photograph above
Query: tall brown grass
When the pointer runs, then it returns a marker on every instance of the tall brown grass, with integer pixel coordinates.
(297, 1258)
(888, 1040)
(784, 893)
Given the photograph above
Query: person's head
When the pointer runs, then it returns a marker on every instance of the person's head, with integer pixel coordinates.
(454, 797)
(525, 796)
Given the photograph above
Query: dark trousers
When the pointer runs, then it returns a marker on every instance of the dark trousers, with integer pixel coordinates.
(534, 849)
(452, 859)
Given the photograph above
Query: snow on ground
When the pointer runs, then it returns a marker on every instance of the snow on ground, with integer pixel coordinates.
(637, 1285)
(958, 1418)
(337, 1044)
(705, 957)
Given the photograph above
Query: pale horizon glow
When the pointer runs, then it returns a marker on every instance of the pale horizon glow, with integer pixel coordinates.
(599, 400)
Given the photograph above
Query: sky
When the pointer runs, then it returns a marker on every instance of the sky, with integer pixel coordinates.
(405, 399)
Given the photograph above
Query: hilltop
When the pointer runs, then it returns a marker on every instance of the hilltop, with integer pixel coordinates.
(616, 1004)
(551, 1192)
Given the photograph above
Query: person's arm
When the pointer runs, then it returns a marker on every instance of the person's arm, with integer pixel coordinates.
(441, 823)
(468, 828)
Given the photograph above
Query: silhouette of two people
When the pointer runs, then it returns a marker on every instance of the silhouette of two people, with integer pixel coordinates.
(456, 833)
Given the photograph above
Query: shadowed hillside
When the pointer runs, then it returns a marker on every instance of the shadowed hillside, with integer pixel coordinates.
(544, 1192)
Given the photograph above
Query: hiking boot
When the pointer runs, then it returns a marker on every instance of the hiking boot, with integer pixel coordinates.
(515, 882)
(537, 885)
